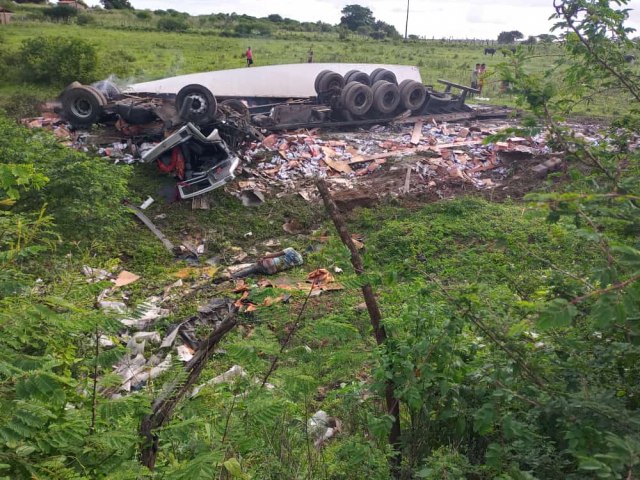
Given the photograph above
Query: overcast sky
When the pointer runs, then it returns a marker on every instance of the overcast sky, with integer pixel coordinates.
(429, 18)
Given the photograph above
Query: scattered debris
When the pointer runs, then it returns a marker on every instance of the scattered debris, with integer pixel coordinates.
(125, 278)
(146, 203)
(273, 263)
(138, 213)
(322, 427)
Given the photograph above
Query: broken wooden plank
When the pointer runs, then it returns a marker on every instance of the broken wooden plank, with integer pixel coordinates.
(407, 180)
(144, 219)
(406, 151)
(342, 167)
(417, 132)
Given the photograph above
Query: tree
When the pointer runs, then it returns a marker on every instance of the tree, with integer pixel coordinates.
(274, 17)
(385, 28)
(531, 40)
(547, 38)
(594, 322)
(355, 16)
(509, 37)
(116, 4)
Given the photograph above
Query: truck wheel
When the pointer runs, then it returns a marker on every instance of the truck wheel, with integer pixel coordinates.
(330, 82)
(82, 105)
(347, 75)
(357, 98)
(195, 103)
(412, 95)
(386, 97)
(383, 74)
(357, 76)
(317, 80)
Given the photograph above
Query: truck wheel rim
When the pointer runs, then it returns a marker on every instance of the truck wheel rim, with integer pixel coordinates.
(197, 103)
(81, 108)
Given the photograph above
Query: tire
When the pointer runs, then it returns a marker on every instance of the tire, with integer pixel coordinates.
(374, 73)
(237, 106)
(357, 98)
(383, 74)
(195, 103)
(82, 105)
(386, 97)
(412, 95)
(348, 75)
(330, 82)
(317, 81)
(359, 77)
(403, 84)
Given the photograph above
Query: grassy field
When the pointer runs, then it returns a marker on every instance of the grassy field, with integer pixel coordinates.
(132, 47)
(134, 52)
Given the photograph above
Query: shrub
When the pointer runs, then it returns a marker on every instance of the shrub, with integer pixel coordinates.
(83, 194)
(61, 13)
(86, 19)
(172, 24)
(57, 60)
(143, 14)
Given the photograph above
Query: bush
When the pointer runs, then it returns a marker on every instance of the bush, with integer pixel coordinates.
(172, 24)
(83, 193)
(57, 60)
(26, 103)
(61, 13)
(143, 14)
(86, 19)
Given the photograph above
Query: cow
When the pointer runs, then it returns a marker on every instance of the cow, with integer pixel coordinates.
(630, 58)
(490, 51)
(505, 51)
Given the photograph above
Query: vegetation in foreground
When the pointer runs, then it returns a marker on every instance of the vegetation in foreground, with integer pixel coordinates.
(513, 328)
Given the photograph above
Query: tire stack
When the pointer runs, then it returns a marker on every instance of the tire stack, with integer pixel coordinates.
(375, 95)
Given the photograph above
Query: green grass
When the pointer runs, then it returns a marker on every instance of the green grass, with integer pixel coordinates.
(139, 55)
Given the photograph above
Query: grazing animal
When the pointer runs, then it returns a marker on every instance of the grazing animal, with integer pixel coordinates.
(630, 58)
(490, 51)
(505, 51)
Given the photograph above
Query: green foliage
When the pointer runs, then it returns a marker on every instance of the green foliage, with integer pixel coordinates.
(356, 16)
(82, 194)
(172, 24)
(62, 13)
(144, 14)
(57, 60)
(116, 4)
(509, 37)
(86, 19)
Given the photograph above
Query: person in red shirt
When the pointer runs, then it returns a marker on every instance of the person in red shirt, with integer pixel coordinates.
(249, 56)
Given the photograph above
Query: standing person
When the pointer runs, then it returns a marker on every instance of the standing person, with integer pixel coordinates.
(482, 73)
(310, 56)
(249, 55)
(474, 76)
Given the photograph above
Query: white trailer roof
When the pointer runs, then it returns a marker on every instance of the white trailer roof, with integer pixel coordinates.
(279, 81)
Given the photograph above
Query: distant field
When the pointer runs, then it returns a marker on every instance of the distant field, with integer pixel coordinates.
(134, 52)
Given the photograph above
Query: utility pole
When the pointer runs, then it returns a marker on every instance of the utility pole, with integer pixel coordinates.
(406, 25)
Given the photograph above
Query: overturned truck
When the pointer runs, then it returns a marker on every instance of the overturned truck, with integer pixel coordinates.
(273, 97)
(209, 113)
